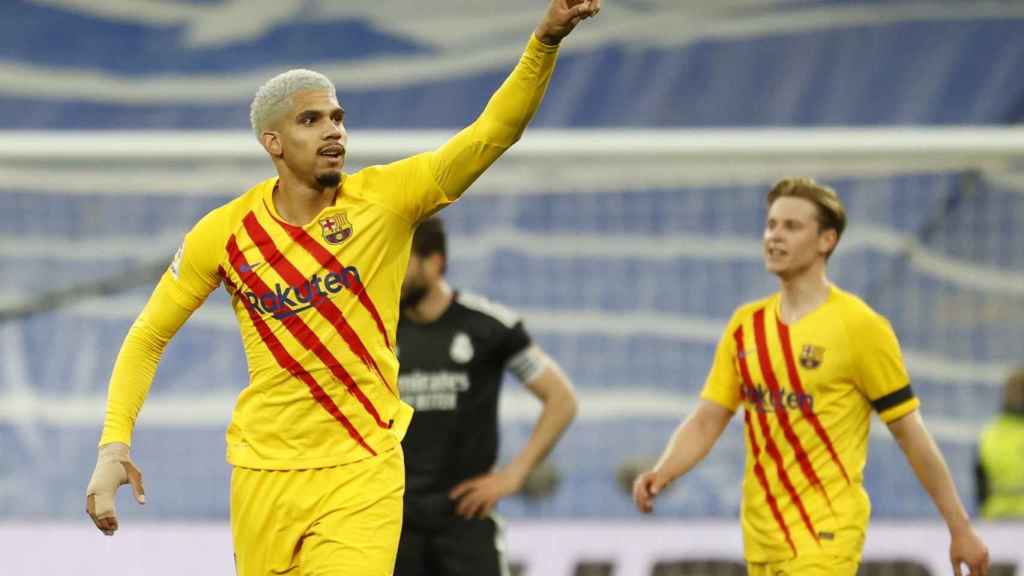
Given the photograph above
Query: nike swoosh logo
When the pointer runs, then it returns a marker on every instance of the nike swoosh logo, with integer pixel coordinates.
(243, 268)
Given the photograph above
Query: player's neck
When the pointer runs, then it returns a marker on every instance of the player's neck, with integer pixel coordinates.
(433, 304)
(803, 294)
(298, 203)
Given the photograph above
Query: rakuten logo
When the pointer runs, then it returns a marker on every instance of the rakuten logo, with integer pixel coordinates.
(765, 400)
(285, 300)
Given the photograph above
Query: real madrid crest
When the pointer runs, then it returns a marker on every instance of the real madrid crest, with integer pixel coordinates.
(812, 356)
(336, 228)
(462, 348)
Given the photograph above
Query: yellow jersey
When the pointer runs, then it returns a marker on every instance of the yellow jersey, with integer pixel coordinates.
(807, 391)
(317, 305)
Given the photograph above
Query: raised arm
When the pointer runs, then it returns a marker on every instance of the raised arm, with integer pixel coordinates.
(930, 468)
(460, 161)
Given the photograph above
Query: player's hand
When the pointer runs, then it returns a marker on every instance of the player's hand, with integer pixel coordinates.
(562, 16)
(965, 547)
(646, 488)
(476, 497)
(114, 467)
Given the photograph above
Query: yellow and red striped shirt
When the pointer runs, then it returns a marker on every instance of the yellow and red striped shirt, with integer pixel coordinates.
(807, 391)
(317, 305)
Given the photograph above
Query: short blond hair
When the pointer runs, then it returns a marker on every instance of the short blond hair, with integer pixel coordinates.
(831, 214)
(275, 97)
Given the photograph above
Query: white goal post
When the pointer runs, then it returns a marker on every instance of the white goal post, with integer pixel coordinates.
(583, 160)
(183, 164)
(965, 144)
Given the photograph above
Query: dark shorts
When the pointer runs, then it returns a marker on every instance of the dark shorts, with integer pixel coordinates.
(444, 545)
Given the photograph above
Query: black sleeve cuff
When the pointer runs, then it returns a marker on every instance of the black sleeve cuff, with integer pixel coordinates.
(893, 399)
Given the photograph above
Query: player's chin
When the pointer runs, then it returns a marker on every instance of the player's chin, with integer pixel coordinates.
(774, 266)
(329, 178)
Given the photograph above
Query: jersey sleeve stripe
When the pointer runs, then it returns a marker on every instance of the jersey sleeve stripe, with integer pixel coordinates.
(326, 307)
(765, 361)
(527, 365)
(794, 379)
(327, 260)
(752, 438)
(893, 399)
(505, 316)
(298, 328)
(284, 359)
(773, 451)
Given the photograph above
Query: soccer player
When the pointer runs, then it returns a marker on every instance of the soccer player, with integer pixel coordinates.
(454, 348)
(808, 364)
(313, 260)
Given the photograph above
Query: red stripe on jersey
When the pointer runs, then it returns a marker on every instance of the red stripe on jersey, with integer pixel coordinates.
(765, 361)
(296, 326)
(328, 261)
(754, 448)
(794, 379)
(763, 480)
(284, 359)
(232, 289)
(769, 443)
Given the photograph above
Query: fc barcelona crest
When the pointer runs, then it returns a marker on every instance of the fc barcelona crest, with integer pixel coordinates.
(812, 356)
(336, 228)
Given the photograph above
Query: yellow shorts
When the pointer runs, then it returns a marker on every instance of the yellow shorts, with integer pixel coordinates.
(821, 565)
(334, 521)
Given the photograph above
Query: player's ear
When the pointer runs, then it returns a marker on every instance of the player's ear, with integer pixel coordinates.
(272, 143)
(827, 241)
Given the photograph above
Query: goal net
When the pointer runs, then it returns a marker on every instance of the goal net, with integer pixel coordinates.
(625, 251)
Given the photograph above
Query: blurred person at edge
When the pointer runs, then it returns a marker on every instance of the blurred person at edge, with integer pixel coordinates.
(808, 364)
(1000, 460)
(313, 260)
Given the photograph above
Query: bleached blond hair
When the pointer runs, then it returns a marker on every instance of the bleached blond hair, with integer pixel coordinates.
(275, 96)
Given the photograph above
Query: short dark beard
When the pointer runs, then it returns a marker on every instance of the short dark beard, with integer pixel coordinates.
(412, 297)
(329, 179)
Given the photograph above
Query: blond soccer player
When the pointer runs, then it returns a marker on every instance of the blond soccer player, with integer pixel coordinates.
(313, 260)
(808, 364)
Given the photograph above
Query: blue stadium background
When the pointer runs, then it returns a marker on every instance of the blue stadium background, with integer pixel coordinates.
(195, 64)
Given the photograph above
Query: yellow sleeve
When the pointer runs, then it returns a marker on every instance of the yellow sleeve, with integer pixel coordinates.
(137, 361)
(194, 273)
(182, 289)
(722, 385)
(427, 182)
(881, 375)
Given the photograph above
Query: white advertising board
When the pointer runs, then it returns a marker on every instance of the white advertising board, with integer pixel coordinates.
(548, 548)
